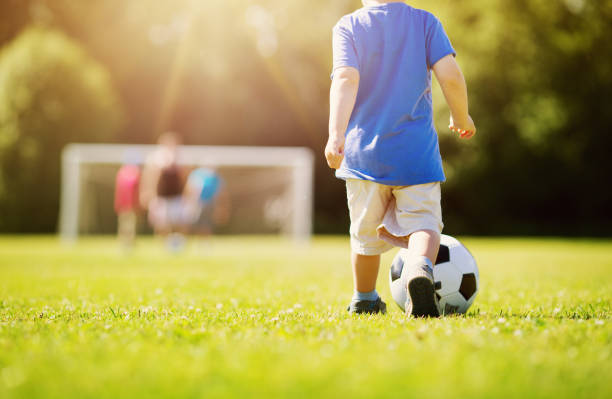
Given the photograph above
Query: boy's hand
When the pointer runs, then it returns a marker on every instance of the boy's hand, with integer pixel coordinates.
(334, 151)
(465, 128)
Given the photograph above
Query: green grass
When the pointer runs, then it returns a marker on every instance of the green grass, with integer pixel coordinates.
(258, 317)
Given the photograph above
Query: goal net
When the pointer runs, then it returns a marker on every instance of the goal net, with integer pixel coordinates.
(270, 189)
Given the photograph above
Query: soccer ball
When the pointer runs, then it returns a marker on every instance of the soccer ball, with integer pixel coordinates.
(455, 275)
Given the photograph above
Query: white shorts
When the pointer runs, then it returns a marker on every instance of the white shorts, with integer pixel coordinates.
(167, 212)
(384, 216)
(199, 212)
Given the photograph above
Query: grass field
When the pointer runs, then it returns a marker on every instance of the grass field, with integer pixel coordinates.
(258, 317)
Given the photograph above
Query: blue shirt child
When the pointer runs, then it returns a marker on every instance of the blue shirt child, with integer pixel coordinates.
(391, 137)
(207, 181)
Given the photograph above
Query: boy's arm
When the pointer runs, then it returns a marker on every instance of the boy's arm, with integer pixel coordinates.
(342, 96)
(148, 184)
(453, 86)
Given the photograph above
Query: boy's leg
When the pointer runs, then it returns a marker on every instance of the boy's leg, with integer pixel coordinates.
(127, 228)
(415, 224)
(122, 229)
(365, 271)
(423, 248)
(424, 243)
(367, 202)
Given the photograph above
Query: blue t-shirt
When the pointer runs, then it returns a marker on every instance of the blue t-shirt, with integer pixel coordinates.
(391, 137)
(207, 181)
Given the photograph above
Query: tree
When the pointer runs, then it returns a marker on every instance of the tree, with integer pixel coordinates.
(257, 73)
(539, 74)
(51, 93)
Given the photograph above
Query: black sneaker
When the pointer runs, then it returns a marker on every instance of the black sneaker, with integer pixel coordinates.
(369, 307)
(422, 301)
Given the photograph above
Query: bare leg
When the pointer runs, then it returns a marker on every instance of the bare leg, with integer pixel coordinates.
(127, 228)
(365, 271)
(419, 279)
(425, 243)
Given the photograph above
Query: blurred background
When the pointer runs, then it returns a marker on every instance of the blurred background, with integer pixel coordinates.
(256, 72)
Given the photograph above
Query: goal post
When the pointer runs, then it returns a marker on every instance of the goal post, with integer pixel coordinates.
(270, 188)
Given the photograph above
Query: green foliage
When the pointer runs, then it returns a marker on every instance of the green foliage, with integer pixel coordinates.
(269, 320)
(243, 72)
(536, 72)
(15, 15)
(51, 93)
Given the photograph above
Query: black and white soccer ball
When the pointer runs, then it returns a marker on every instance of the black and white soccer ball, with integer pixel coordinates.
(456, 277)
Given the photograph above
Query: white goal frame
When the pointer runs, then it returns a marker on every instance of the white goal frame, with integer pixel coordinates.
(299, 159)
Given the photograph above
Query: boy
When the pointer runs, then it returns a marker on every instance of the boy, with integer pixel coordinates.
(161, 192)
(382, 141)
(206, 201)
(127, 203)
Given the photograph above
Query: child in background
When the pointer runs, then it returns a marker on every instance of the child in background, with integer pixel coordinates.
(382, 141)
(206, 201)
(126, 203)
(161, 191)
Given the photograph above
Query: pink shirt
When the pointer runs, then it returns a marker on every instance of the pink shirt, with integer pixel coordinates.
(126, 188)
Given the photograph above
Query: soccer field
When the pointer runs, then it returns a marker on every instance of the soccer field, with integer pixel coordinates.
(259, 317)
